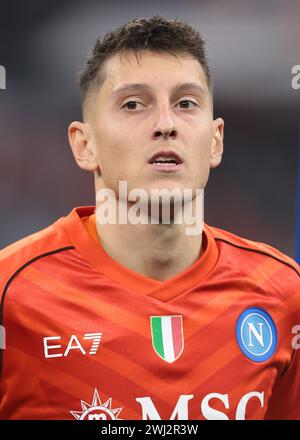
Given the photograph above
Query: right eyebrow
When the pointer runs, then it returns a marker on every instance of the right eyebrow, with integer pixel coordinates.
(130, 87)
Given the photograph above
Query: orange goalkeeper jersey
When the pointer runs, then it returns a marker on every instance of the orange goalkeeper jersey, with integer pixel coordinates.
(84, 338)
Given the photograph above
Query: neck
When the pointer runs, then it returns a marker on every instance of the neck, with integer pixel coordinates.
(158, 251)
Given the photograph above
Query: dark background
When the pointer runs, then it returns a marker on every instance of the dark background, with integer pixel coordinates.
(252, 47)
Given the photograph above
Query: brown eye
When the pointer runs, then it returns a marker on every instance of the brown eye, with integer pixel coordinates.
(131, 105)
(186, 104)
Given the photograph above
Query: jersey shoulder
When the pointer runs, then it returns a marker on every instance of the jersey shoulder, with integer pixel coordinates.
(17, 255)
(252, 248)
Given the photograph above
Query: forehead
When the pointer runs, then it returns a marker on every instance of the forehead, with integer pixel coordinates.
(157, 69)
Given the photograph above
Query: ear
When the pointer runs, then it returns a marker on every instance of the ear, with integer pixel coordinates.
(80, 140)
(217, 144)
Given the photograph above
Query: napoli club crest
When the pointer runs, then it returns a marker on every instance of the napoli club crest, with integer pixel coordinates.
(256, 334)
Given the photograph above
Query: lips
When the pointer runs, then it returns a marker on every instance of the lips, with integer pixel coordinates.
(165, 157)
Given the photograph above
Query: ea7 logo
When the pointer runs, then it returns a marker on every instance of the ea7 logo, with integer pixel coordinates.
(52, 350)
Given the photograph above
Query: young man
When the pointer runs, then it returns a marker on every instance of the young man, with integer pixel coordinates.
(134, 320)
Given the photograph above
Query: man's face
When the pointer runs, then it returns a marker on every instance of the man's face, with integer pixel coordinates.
(158, 103)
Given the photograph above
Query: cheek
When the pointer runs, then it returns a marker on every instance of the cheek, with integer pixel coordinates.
(116, 159)
(200, 160)
(108, 146)
(202, 145)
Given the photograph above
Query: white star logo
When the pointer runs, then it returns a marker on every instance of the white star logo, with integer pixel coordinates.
(97, 410)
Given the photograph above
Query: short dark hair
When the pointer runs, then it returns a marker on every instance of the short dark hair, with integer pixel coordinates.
(157, 34)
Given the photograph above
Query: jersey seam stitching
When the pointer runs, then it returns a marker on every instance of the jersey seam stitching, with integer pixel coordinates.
(13, 276)
(260, 252)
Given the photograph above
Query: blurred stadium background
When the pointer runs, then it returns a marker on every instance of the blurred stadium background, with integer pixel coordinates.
(252, 47)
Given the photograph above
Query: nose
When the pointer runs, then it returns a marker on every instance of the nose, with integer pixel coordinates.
(164, 126)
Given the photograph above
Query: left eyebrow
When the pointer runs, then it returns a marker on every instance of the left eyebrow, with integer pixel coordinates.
(190, 86)
(180, 87)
